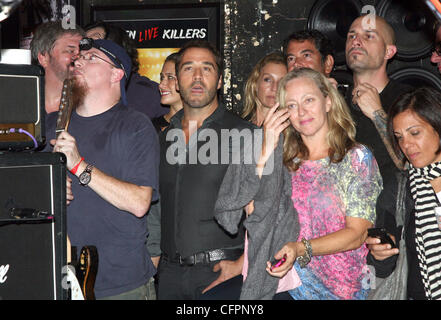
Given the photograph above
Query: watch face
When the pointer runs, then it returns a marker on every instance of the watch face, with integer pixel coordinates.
(84, 178)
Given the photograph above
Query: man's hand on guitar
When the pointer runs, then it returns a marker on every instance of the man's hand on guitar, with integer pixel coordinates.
(65, 143)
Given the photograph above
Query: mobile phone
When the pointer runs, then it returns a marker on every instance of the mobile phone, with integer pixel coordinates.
(381, 234)
(275, 263)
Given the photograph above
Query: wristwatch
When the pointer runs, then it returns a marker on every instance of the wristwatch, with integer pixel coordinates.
(306, 258)
(86, 175)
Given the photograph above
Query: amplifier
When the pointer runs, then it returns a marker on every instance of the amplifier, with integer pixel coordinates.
(33, 250)
(22, 108)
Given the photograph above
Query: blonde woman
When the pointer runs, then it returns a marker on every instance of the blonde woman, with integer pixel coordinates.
(261, 87)
(335, 185)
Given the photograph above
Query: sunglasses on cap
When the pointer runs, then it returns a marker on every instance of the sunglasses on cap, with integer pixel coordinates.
(88, 43)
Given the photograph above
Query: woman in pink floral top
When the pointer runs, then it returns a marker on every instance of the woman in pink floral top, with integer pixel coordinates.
(335, 184)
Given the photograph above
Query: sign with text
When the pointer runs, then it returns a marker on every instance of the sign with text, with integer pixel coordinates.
(165, 33)
(159, 30)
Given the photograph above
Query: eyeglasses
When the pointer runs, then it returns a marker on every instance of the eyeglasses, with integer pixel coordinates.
(437, 48)
(92, 57)
(88, 43)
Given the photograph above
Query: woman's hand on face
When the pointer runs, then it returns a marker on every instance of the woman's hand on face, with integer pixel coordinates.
(275, 122)
(381, 251)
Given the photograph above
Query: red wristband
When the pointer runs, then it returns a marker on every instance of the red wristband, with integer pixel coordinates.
(74, 169)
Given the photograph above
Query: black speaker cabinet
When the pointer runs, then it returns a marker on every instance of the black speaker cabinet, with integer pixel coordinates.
(333, 18)
(417, 77)
(33, 253)
(413, 23)
(22, 108)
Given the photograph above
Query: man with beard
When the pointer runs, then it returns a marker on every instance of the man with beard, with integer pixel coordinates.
(142, 93)
(370, 44)
(112, 151)
(54, 48)
(197, 252)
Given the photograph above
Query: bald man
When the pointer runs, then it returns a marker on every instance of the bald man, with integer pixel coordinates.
(370, 44)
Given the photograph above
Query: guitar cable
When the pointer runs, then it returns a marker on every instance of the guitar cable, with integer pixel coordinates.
(20, 130)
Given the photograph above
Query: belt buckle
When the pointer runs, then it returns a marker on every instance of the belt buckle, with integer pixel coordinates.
(185, 263)
(193, 260)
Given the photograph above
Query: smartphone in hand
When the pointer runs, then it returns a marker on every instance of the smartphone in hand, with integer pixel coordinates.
(381, 234)
(277, 263)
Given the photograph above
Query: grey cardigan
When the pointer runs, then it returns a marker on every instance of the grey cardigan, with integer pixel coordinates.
(273, 222)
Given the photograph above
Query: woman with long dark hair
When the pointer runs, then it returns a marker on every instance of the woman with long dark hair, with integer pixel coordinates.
(414, 127)
(169, 96)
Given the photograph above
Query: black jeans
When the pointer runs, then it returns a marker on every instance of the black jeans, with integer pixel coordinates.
(227, 290)
(230, 290)
(176, 282)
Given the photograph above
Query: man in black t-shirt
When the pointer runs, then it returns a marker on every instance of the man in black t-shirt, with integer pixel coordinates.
(112, 154)
(370, 44)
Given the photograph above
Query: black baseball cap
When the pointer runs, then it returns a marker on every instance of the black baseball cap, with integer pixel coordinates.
(117, 54)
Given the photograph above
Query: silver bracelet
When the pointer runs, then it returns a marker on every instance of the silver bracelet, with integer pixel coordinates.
(306, 258)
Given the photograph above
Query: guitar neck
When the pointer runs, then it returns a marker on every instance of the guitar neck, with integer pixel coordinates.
(65, 110)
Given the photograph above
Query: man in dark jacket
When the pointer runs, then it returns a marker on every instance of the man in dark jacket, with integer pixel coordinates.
(370, 44)
(197, 253)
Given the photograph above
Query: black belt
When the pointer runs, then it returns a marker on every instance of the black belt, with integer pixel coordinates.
(205, 257)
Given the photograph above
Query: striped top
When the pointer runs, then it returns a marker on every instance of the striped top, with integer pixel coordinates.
(427, 231)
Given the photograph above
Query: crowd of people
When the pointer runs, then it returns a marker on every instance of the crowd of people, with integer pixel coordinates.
(161, 181)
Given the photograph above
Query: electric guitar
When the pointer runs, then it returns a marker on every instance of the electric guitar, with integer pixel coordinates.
(66, 106)
(86, 266)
